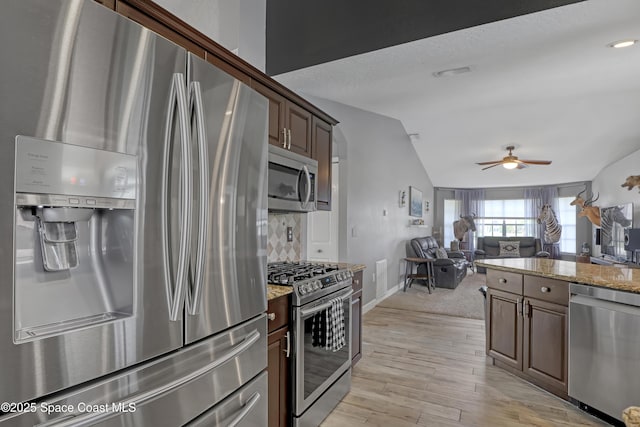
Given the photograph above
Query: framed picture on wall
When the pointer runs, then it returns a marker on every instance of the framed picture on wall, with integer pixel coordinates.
(415, 202)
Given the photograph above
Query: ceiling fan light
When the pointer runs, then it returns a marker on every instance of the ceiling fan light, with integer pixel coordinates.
(510, 165)
(622, 43)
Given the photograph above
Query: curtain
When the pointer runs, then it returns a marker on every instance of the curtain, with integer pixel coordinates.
(535, 198)
(469, 202)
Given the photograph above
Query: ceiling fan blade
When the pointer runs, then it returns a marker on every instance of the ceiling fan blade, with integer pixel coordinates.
(490, 163)
(537, 162)
(492, 166)
(521, 166)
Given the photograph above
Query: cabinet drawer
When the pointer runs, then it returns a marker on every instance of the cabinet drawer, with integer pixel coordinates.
(544, 289)
(505, 281)
(278, 312)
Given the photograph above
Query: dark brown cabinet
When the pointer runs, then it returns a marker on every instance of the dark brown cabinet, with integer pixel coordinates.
(289, 124)
(278, 361)
(504, 327)
(526, 327)
(356, 318)
(322, 151)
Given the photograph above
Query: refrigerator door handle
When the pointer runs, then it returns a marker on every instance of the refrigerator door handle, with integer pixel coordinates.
(246, 409)
(196, 104)
(91, 418)
(177, 96)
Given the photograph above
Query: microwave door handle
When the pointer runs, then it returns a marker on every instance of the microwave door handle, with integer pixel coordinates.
(308, 175)
(194, 295)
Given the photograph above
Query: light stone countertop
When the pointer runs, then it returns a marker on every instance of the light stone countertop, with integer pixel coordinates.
(620, 278)
(276, 291)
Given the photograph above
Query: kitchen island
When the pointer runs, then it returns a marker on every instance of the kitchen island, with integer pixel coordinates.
(527, 324)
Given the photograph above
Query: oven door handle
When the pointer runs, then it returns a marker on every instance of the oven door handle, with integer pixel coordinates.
(319, 308)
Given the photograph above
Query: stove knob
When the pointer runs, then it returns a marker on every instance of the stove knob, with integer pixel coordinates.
(317, 284)
(341, 276)
(302, 290)
(349, 273)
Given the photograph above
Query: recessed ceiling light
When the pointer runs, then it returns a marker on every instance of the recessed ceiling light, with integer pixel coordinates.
(623, 43)
(452, 72)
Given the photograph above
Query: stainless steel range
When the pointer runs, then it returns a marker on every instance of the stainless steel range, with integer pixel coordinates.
(322, 360)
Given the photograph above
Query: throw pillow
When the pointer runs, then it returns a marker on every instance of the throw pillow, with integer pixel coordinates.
(441, 253)
(509, 249)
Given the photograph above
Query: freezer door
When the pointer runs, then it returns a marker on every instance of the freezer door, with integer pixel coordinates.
(230, 215)
(76, 73)
(198, 381)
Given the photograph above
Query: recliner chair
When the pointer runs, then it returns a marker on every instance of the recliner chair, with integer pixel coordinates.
(448, 272)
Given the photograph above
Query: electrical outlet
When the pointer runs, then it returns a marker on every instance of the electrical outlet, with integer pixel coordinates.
(289, 234)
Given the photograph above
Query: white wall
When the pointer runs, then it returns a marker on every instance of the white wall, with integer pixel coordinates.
(238, 25)
(608, 184)
(377, 161)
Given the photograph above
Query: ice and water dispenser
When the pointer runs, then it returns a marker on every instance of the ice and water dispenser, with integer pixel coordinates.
(74, 237)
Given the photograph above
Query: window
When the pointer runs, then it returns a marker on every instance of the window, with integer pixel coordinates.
(449, 216)
(507, 218)
(567, 218)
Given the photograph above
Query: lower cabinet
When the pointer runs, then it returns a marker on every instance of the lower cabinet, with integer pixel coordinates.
(527, 328)
(278, 362)
(356, 319)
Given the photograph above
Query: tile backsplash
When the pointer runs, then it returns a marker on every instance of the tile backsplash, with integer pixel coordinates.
(278, 249)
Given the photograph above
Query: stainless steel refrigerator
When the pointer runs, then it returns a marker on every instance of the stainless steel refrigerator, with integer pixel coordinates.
(133, 227)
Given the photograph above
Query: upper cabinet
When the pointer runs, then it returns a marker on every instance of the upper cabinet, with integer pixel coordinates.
(289, 124)
(321, 141)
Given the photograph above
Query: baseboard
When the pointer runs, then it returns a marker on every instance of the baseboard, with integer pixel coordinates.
(386, 295)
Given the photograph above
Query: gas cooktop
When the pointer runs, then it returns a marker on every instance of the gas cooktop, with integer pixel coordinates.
(310, 280)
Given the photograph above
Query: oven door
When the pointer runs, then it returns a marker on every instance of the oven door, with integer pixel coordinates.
(316, 369)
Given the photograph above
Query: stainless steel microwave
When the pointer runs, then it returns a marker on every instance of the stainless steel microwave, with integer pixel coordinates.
(292, 181)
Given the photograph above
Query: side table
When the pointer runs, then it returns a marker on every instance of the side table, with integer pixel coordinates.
(409, 276)
(469, 256)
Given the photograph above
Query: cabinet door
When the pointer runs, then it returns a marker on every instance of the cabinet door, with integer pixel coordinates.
(545, 342)
(321, 142)
(298, 123)
(278, 372)
(277, 105)
(504, 327)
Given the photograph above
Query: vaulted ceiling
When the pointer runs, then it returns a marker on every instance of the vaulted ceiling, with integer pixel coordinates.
(545, 82)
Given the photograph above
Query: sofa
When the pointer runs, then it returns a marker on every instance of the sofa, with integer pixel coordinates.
(450, 267)
(489, 248)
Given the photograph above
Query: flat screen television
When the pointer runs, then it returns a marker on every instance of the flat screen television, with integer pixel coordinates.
(613, 221)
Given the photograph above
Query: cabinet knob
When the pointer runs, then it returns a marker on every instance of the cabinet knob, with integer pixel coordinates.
(271, 316)
(502, 280)
(544, 289)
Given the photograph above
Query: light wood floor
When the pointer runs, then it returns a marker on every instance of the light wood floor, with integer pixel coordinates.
(431, 370)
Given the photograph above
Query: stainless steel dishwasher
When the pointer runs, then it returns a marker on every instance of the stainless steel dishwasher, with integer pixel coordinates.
(604, 348)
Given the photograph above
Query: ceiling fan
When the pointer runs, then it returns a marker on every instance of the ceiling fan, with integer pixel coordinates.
(512, 162)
